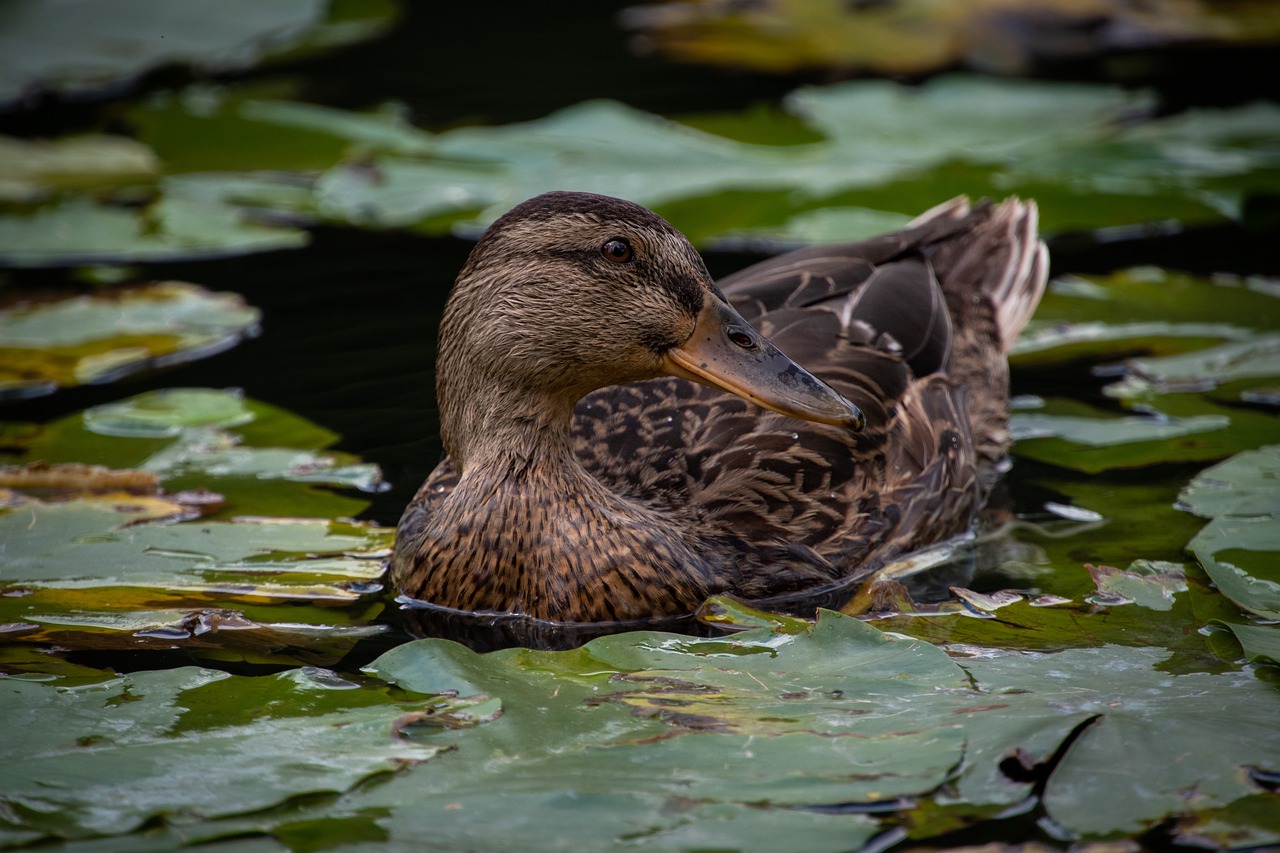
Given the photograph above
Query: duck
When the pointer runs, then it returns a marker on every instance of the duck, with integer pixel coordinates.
(625, 438)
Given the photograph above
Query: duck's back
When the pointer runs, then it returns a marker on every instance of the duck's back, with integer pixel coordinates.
(913, 327)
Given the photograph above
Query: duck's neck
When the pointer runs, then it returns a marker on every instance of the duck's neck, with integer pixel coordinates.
(528, 529)
(499, 428)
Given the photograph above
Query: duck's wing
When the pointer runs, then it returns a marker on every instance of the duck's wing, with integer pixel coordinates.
(908, 327)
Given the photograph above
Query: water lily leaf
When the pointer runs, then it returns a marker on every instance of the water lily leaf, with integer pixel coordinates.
(190, 216)
(216, 129)
(1145, 583)
(101, 337)
(917, 36)
(1076, 436)
(104, 758)
(1248, 822)
(209, 634)
(1142, 311)
(165, 413)
(1240, 546)
(95, 543)
(117, 41)
(658, 740)
(877, 157)
(874, 131)
(98, 573)
(1247, 484)
(262, 460)
(1242, 555)
(1259, 643)
(32, 169)
(1204, 369)
(1149, 726)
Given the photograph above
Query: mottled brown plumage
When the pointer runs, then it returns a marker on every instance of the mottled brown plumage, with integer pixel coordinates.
(583, 485)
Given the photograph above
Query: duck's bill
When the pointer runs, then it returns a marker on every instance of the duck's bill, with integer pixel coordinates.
(726, 353)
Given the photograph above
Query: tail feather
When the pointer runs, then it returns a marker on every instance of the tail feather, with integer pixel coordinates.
(1000, 255)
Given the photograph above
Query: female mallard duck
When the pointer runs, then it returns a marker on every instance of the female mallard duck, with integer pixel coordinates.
(603, 405)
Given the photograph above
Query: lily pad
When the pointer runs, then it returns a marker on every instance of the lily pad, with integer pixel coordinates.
(1145, 583)
(33, 169)
(114, 42)
(877, 157)
(104, 573)
(915, 36)
(659, 741)
(1240, 547)
(262, 460)
(1242, 555)
(1079, 437)
(105, 758)
(1143, 311)
(1202, 370)
(1247, 484)
(86, 571)
(188, 216)
(94, 543)
(89, 339)
(1260, 643)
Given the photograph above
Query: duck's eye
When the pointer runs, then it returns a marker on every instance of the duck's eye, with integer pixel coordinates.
(617, 250)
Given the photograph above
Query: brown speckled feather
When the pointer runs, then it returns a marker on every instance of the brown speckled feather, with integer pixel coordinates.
(727, 497)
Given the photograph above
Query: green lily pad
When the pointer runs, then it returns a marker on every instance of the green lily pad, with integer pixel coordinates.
(1240, 547)
(1142, 311)
(220, 129)
(1076, 436)
(114, 42)
(1256, 358)
(80, 544)
(262, 460)
(100, 337)
(1242, 555)
(1188, 349)
(102, 573)
(1145, 583)
(1184, 735)
(211, 634)
(165, 413)
(189, 216)
(874, 131)
(261, 584)
(33, 169)
(878, 157)
(104, 758)
(1247, 484)
(659, 741)
(919, 36)
(1258, 643)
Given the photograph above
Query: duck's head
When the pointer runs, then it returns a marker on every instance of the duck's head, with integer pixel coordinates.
(571, 292)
